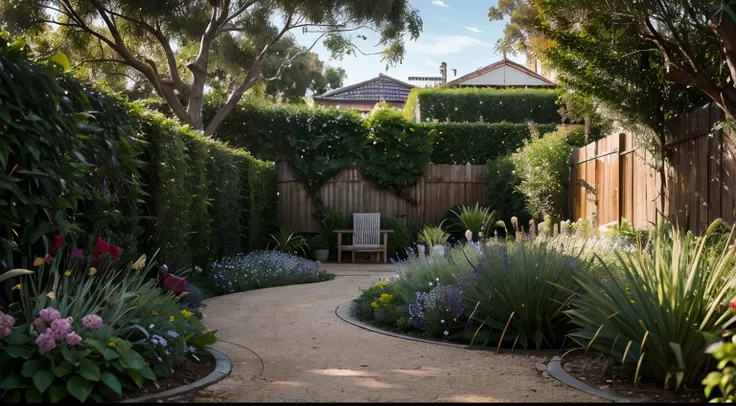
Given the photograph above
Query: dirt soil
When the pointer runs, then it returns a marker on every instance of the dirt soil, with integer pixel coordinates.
(589, 369)
(287, 345)
(190, 371)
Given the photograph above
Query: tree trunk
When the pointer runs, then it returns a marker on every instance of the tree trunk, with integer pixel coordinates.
(587, 129)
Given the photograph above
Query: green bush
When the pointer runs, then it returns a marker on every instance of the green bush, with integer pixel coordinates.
(431, 236)
(502, 193)
(403, 234)
(725, 378)
(516, 296)
(542, 166)
(477, 143)
(670, 305)
(474, 219)
(483, 105)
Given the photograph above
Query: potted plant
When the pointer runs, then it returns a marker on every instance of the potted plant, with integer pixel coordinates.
(320, 246)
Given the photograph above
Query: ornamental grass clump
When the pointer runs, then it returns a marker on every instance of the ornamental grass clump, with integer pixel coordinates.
(513, 293)
(263, 269)
(672, 302)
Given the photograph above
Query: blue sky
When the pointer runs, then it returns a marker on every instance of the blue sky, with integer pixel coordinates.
(455, 31)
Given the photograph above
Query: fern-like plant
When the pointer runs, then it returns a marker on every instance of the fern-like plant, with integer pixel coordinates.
(431, 236)
(289, 241)
(475, 219)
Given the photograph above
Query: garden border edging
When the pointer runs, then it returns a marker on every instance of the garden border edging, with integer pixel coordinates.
(555, 370)
(223, 367)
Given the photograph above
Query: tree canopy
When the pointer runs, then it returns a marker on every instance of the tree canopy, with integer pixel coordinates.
(178, 48)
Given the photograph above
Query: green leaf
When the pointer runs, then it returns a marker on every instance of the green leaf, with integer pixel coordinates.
(70, 354)
(79, 387)
(13, 381)
(57, 392)
(30, 367)
(147, 373)
(97, 345)
(18, 337)
(130, 359)
(20, 352)
(42, 379)
(61, 60)
(136, 377)
(204, 339)
(64, 368)
(112, 382)
(12, 396)
(109, 354)
(88, 370)
(33, 395)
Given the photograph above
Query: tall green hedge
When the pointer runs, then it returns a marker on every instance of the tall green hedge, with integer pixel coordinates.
(477, 143)
(474, 105)
(79, 162)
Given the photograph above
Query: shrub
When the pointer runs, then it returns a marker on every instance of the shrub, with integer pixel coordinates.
(263, 269)
(542, 167)
(474, 219)
(515, 296)
(431, 236)
(402, 236)
(668, 308)
(289, 242)
(439, 311)
(503, 194)
(725, 378)
(483, 105)
(476, 143)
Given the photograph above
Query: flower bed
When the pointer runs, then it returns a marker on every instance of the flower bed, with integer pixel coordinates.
(262, 269)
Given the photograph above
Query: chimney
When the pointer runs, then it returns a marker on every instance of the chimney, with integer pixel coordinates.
(443, 72)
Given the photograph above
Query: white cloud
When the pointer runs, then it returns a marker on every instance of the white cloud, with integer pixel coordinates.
(440, 3)
(443, 45)
(473, 29)
(444, 19)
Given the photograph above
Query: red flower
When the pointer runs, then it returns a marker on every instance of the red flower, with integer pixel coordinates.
(732, 304)
(95, 258)
(114, 252)
(56, 244)
(100, 247)
(48, 259)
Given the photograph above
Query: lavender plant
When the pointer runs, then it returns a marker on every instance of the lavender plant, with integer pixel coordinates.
(439, 311)
(263, 269)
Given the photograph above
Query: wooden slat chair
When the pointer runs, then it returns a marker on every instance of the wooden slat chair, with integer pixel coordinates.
(366, 236)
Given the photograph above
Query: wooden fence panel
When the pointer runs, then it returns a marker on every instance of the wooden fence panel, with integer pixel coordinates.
(442, 187)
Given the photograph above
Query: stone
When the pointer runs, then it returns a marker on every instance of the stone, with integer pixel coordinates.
(545, 374)
(541, 367)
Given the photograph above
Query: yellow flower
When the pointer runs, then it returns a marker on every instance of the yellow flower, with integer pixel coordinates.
(385, 298)
(140, 263)
(68, 272)
(16, 287)
(38, 261)
(186, 313)
(171, 318)
(374, 305)
(381, 284)
(522, 305)
(51, 295)
(112, 344)
(92, 271)
(632, 301)
(155, 313)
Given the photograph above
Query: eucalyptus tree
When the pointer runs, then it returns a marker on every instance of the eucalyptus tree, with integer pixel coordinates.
(175, 46)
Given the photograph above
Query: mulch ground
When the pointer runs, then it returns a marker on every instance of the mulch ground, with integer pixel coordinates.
(588, 368)
(190, 371)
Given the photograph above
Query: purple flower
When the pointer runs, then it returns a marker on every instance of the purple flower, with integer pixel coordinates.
(6, 324)
(46, 341)
(172, 334)
(49, 314)
(39, 325)
(61, 327)
(73, 339)
(78, 254)
(92, 321)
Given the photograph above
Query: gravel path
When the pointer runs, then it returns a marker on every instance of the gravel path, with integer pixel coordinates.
(287, 345)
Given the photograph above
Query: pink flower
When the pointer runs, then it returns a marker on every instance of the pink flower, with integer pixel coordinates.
(6, 324)
(56, 244)
(48, 259)
(732, 304)
(73, 339)
(78, 254)
(61, 327)
(49, 314)
(92, 321)
(46, 341)
(39, 324)
(114, 252)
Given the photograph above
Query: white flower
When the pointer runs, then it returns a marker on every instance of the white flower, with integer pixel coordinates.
(151, 326)
(442, 321)
(447, 333)
(430, 284)
(438, 279)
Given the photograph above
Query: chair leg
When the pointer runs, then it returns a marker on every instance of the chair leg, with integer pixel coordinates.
(353, 256)
(339, 255)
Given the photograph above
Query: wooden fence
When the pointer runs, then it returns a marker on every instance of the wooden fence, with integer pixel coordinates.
(615, 178)
(442, 187)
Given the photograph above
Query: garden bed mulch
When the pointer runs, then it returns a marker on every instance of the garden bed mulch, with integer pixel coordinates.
(190, 371)
(588, 368)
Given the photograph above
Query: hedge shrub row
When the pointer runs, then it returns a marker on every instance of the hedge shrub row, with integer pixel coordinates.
(472, 105)
(74, 158)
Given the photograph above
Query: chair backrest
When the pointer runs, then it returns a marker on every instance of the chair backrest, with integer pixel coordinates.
(367, 229)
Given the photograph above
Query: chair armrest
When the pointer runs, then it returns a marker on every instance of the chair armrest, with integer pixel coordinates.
(343, 231)
(387, 231)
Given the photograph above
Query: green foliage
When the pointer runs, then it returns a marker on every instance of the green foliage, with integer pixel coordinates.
(516, 296)
(289, 242)
(431, 236)
(725, 378)
(319, 242)
(402, 236)
(396, 154)
(477, 143)
(484, 105)
(669, 306)
(476, 219)
(503, 194)
(336, 220)
(542, 167)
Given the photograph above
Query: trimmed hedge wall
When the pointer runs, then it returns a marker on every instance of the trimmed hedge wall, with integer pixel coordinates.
(477, 143)
(80, 162)
(473, 105)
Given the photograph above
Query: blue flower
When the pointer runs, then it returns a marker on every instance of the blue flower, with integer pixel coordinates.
(172, 334)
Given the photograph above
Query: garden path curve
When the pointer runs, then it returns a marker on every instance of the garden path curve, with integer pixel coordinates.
(287, 345)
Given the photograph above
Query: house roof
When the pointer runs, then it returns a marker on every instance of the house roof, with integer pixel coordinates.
(380, 88)
(502, 73)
